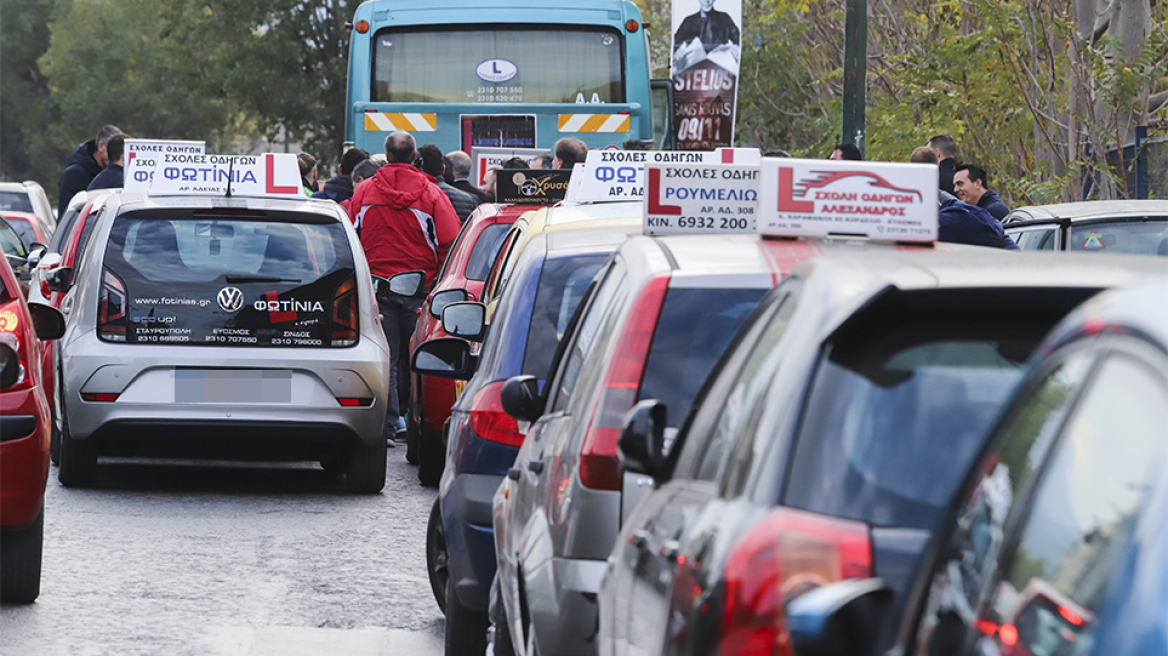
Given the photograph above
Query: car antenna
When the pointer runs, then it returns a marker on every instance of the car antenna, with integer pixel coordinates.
(230, 169)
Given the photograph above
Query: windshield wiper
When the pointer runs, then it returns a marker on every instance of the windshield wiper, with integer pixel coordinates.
(260, 279)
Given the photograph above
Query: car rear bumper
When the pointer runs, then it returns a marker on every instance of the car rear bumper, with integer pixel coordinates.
(470, 538)
(24, 456)
(561, 597)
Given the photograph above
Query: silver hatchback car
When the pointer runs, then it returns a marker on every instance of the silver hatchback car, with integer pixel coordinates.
(213, 327)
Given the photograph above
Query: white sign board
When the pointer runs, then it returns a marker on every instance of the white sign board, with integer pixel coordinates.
(142, 156)
(267, 175)
(701, 199)
(817, 198)
(620, 174)
(485, 159)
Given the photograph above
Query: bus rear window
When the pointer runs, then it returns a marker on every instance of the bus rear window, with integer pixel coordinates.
(498, 65)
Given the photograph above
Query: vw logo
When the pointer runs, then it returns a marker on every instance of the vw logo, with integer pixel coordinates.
(230, 299)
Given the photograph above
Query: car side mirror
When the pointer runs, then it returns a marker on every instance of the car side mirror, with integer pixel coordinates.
(439, 301)
(840, 619)
(9, 366)
(445, 357)
(466, 320)
(60, 280)
(36, 251)
(642, 439)
(521, 398)
(47, 321)
(410, 284)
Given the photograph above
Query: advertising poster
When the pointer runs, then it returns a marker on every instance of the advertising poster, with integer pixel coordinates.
(707, 47)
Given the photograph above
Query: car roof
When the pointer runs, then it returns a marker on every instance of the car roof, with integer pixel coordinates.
(1091, 209)
(138, 201)
(1138, 307)
(18, 186)
(589, 239)
(21, 216)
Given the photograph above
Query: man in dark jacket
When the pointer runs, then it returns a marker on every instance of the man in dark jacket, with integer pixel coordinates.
(971, 185)
(460, 162)
(83, 164)
(406, 224)
(963, 223)
(113, 176)
(433, 166)
(947, 153)
(339, 188)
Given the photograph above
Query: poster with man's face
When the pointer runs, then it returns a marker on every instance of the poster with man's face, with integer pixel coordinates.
(707, 47)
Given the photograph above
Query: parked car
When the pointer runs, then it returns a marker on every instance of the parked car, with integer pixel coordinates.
(24, 438)
(201, 330)
(28, 196)
(544, 287)
(831, 440)
(460, 279)
(1097, 226)
(1055, 542)
(29, 227)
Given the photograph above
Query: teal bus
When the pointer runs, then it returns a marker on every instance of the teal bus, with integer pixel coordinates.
(503, 73)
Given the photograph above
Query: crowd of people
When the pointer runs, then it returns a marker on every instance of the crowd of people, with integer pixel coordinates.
(409, 203)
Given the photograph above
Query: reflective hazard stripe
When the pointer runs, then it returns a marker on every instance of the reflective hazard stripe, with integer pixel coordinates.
(383, 122)
(594, 122)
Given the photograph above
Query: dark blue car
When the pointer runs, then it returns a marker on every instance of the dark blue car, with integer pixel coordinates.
(549, 278)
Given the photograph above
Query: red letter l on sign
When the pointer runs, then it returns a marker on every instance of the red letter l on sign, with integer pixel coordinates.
(787, 202)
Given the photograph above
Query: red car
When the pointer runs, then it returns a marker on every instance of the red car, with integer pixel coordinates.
(72, 245)
(29, 226)
(24, 438)
(461, 279)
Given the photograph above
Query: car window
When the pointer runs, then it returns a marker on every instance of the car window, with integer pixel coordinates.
(494, 283)
(702, 455)
(586, 333)
(15, 201)
(485, 251)
(694, 328)
(1056, 576)
(1018, 451)
(561, 286)
(896, 412)
(61, 234)
(86, 233)
(1044, 239)
(1148, 237)
(10, 241)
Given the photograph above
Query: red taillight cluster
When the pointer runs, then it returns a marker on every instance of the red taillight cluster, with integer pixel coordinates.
(350, 402)
(17, 333)
(344, 329)
(111, 308)
(599, 460)
(488, 420)
(786, 554)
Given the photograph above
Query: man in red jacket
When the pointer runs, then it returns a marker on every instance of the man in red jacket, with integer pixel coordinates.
(406, 223)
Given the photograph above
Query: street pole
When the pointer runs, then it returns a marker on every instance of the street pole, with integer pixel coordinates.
(855, 72)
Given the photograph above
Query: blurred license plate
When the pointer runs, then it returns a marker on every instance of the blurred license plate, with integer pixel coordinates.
(232, 386)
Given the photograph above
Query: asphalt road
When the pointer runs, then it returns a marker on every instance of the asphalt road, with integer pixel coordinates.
(230, 559)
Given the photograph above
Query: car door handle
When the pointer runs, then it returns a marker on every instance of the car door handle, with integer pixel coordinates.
(640, 538)
(513, 473)
(670, 549)
(536, 467)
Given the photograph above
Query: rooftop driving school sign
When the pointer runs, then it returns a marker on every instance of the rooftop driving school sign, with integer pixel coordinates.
(269, 175)
(820, 198)
(142, 155)
(613, 175)
(700, 199)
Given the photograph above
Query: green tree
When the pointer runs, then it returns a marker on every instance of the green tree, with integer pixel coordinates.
(25, 108)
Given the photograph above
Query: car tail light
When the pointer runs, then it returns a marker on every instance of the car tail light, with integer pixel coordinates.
(100, 398)
(785, 555)
(111, 309)
(345, 313)
(599, 460)
(17, 333)
(349, 402)
(488, 420)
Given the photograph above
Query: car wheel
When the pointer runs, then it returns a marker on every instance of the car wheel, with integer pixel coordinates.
(20, 563)
(431, 459)
(466, 629)
(78, 458)
(365, 470)
(412, 433)
(437, 563)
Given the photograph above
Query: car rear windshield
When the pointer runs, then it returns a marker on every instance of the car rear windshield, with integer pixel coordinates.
(694, 328)
(562, 284)
(225, 280)
(15, 201)
(498, 65)
(10, 240)
(900, 405)
(1147, 237)
(486, 249)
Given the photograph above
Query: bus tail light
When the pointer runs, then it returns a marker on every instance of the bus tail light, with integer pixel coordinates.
(632, 26)
(599, 460)
(362, 26)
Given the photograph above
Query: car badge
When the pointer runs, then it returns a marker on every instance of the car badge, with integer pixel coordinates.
(230, 299)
